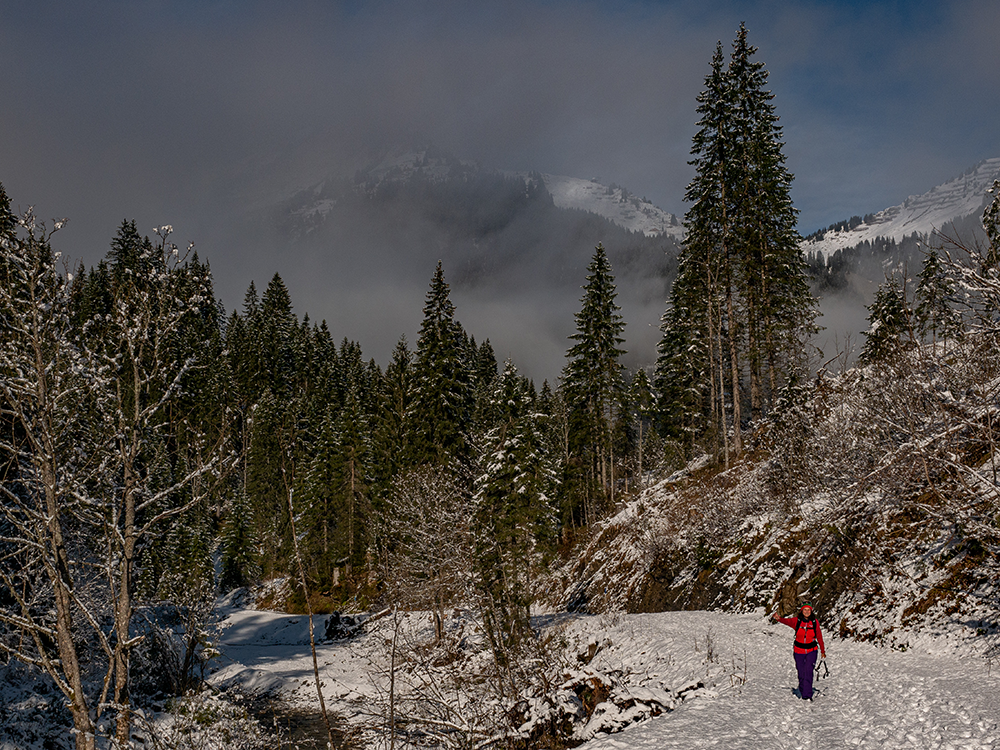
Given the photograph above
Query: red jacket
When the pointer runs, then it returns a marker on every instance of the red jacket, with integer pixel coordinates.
(807, 634)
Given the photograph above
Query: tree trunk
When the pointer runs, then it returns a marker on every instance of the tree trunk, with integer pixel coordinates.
(123, 616)
(722, 391)
(59, 574)
(735, 368)
(350, 523)
(715, 402)
(57, 563)
(289, 491)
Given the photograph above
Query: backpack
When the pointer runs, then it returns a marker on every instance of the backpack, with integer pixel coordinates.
(806, 629)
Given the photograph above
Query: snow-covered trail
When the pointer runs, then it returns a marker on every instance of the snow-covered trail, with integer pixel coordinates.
(873, 698)
(932, 697)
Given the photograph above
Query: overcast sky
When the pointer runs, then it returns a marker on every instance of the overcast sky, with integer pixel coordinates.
(188, 113)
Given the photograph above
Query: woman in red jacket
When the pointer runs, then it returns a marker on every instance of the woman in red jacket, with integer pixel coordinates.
(808, 640)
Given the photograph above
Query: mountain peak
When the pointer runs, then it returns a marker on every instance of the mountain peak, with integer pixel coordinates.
(402, 165)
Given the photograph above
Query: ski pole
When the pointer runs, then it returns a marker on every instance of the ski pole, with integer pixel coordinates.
(826, 669)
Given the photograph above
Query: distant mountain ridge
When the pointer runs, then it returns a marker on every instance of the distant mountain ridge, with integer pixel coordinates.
(957, 199)
(514, 247)
(428, 164)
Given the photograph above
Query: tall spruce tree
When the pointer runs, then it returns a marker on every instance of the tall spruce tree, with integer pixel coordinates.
(740, 311)
(641, 403)
(437, 423)
(593, 386)
(275, 339)
(935, 291)
(690, 375)
(778, 308)
(890, 326)
(389, 432)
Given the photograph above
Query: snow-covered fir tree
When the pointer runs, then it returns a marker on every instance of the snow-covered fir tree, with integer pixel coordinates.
(593, 387)
(740, 311)
(438, 418)
(391, 407)
(890, 325)
(935, 313)
(513, 512)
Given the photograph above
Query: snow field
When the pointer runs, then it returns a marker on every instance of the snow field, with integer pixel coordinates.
(268, 652)
(729, 680)
(873, 698)
(922, 214)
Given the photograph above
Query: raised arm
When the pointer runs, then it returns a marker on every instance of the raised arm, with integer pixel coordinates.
(789, 621)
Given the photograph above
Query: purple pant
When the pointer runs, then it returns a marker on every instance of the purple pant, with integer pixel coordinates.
(804, 665)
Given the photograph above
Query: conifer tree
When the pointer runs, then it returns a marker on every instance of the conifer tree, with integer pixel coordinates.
(274, 339)
(438, 420)
(319, 520)
(352, 478)
(238, 544)
(483, 374)
(935, 290)
(511, 510)
(740, 308)
(8, 222)
(779, 309)
(265, 485)
(684, 376)
(334, 493)
(131, 257)
(390, 423)
(593, 387)
(642, 403)
(991, 225)
(890, 327)
(691, 372)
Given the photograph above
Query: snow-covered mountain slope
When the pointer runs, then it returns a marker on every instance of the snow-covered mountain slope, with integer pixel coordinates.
(614, 203)
(429, 165)
(922, 214)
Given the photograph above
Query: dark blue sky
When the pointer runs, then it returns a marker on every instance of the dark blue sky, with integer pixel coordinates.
(189, 112)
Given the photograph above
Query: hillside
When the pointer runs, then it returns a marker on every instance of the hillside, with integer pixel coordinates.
(877, 498)
(614, 203)
(431, 166)
(924, 214)
(514, 245)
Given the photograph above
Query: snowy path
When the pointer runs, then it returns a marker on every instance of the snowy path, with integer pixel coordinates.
(265, 651)
(874, 698)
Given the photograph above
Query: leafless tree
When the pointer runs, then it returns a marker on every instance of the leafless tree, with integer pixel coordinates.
(47, 465)
(141, 376)
(79, 420)
(428, 540)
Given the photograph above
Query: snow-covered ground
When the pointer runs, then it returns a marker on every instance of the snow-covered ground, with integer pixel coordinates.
(731, 678)
(263, 651)
(873, 698)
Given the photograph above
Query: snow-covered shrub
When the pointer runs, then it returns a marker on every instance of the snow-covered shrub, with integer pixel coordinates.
(203, 721)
